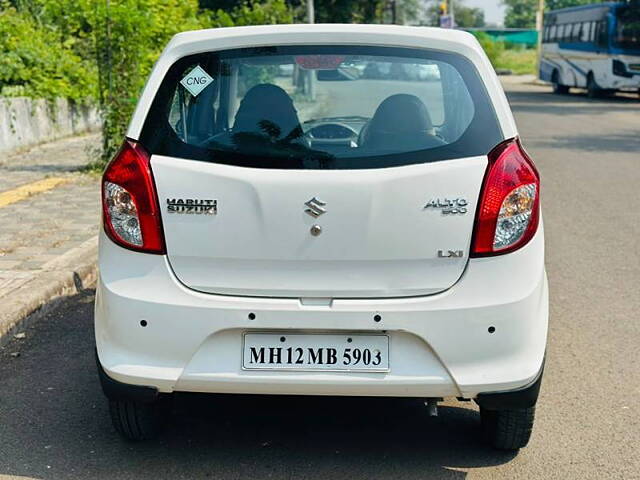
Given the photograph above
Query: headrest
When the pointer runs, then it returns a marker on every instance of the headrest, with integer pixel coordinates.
(267, 109)
(401, 113)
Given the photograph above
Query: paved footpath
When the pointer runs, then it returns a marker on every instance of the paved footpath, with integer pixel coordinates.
(48, 213)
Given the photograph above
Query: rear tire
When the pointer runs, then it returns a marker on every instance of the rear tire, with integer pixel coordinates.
(593, 91)
(508, 429)
(138, 421)
(557, 86)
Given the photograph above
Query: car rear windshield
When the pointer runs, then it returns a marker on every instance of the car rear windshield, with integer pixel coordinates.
(321, 107)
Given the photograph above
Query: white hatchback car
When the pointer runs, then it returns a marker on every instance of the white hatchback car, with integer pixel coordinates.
(329, 230)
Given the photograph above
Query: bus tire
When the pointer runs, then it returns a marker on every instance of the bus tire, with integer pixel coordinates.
(593, 91)
(557, 86)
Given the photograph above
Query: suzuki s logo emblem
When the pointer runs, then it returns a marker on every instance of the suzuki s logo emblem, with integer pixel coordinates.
(315, 207)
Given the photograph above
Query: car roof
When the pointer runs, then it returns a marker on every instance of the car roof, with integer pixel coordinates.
(329, 33)
(448, 40)
(197, 41)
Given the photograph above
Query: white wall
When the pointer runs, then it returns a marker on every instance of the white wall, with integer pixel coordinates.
(25, 121)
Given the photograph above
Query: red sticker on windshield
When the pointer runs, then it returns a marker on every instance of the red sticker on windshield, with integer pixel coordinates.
(319, 62)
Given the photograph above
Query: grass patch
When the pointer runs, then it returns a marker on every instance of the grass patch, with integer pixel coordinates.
(519, 61)
(93, 169)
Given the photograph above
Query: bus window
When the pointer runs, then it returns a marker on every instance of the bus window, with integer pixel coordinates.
(568, 32)
(627, 33)
(586, 27)
(552, 33)
(575, 32)
(592, 32)
(603, 35)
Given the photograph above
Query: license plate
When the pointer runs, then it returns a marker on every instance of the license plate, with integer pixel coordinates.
(285, 351)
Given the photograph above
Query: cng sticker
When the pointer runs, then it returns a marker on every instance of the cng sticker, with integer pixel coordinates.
(196, 80)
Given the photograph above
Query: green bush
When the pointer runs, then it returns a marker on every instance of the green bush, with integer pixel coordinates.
(253, 12)
(36, 62)
(493, 49)
(103, 51)
(517, 59)
(148, 25)
(128, 37)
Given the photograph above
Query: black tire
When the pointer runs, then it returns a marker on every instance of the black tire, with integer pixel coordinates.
(508, 429)
(557, 86)
(593, 91)
(139, 421)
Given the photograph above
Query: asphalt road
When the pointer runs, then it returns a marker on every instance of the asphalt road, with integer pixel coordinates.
(54, 422)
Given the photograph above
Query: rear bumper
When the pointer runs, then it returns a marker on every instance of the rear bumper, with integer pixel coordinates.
(440, 345)
(523, 397)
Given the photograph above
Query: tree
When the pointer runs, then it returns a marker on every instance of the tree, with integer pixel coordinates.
(556, 4)
(469, 17)
(356, 11)
(349, 11)
(326, 11)
(36, 63)
(520, 13)
(493, 49)
(214, 5)
(253, 12)
(466, 17)
(115, 27)
(409, 11)
(102, 50)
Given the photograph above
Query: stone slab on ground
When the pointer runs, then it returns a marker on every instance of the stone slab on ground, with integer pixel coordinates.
(48, 224)
(57, 158)
(26, 296)
(48, 241)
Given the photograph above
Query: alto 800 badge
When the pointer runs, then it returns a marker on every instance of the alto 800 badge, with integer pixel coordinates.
(454, 206)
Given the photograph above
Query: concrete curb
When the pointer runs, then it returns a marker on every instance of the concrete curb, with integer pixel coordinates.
(522, 80)
(65, 275)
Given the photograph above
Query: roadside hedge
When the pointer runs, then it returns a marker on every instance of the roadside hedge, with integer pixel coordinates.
(493, 49)
(103, 50)
(36, 62)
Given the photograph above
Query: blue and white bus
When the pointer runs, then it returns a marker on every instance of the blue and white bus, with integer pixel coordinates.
(596, 47)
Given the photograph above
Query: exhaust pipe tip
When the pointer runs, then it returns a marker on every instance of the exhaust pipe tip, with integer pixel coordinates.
(432, 407)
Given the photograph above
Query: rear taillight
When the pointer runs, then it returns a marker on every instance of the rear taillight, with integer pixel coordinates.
(508, 212)
(131, 214)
